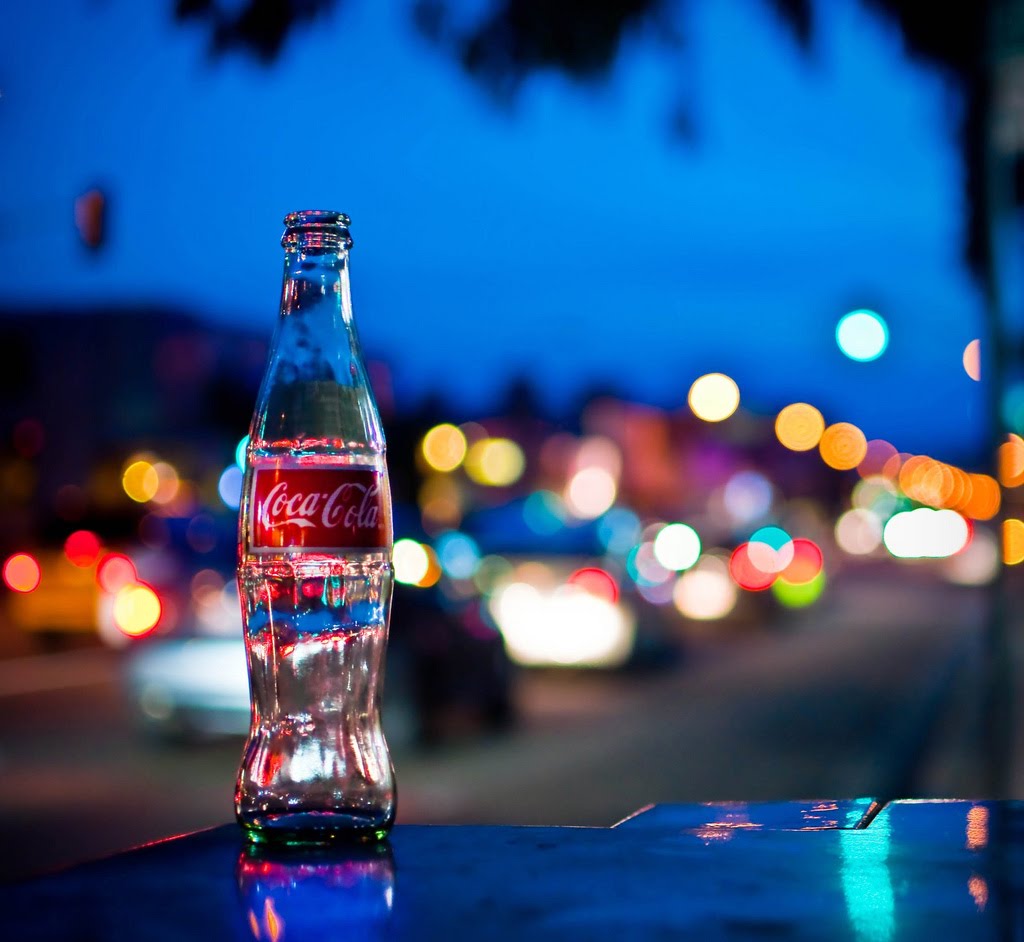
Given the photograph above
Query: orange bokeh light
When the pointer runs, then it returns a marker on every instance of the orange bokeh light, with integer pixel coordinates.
(1013, 541)
(983, 502)
(843, 446)
(1011, 461)
(799, 427)
(928, 481)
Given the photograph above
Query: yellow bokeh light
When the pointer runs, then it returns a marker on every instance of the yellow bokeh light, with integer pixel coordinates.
(1013, 542)
(1011, 461)
(972, 360)
(136, 610)
(141, 481)
(799, 427)
(444, 447)
(714, 397)
(496, 462)
(843, 446)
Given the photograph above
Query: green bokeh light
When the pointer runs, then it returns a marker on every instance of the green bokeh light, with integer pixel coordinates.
(799, 595)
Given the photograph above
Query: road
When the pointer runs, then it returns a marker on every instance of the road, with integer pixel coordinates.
(855, 697)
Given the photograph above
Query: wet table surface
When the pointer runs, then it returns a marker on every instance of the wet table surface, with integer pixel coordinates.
(795, 870)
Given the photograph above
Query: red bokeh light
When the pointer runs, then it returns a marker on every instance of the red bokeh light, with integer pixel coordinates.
(745, 573)
(82, 548)
(806, 562)
(115, 571)
(596, 582)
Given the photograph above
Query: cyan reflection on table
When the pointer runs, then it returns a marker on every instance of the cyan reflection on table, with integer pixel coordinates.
(794, 870)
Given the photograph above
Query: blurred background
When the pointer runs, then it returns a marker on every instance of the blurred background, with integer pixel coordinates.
(695, 330)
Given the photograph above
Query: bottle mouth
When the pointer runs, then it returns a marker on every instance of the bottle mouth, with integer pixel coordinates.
(313, 231)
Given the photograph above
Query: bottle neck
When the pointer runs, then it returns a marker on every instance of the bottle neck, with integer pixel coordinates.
(316, 286)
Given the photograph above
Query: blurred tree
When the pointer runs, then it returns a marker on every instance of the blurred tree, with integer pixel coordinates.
(513, 39)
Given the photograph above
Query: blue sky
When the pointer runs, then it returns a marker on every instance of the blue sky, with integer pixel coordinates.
(569, 237)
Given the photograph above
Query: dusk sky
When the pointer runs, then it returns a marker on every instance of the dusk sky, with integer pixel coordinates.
(570, 237)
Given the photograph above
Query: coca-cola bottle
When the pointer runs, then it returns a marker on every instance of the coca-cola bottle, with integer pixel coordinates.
(314, 568)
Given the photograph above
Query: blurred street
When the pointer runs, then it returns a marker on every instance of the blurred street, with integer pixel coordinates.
(841, 704)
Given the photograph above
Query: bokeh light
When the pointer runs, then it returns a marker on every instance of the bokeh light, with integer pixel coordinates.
(799, 594)
(644, 568)
(878, 454)
(983, 498)
(22, 572)
(596, 581)
(859, 532)
(770, 549)
(590, 492)
(618, 530)
(229, 486)
(799, 427)
(745, 573)
(925, 534)
(862, 335)
(168, 483)
(81, 548)
(566, 626)
(1011, 461)
(747, 496)
(444, 447)
(677, 546)
(115, 571)
(410, 560)
(706, 592)
(137, 610)
(458, 554)
(972, 360)
(496, 462)
(843, 446)
(1013, 541)
(140, 481)
(806, 564)
(241, 449)
(714, 397)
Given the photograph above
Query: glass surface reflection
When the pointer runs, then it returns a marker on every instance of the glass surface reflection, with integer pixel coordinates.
(292, 894)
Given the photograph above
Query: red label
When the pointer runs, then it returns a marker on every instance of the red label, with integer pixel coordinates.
(319, 508)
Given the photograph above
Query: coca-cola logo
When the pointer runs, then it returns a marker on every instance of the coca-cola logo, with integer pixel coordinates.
(319, 507)
(351, 505)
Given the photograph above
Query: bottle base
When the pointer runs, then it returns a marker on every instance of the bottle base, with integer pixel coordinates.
(313, 829)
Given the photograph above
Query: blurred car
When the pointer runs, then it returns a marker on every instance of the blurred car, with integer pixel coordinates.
(444, 676)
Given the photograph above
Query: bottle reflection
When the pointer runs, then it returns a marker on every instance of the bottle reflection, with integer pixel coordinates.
(292, 894)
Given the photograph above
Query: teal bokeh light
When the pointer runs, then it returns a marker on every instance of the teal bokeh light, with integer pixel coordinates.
(862, 335)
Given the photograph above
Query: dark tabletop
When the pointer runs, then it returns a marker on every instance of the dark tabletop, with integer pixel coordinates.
(797, 870)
